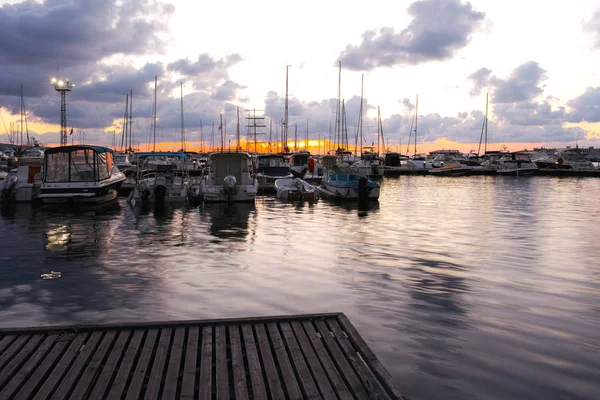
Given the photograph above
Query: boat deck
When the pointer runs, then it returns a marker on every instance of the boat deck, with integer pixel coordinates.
(301, 356)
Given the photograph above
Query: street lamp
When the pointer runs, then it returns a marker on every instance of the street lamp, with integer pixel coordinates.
(62, 86)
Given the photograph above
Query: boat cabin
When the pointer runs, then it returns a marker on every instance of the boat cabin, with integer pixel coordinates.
(77, 164)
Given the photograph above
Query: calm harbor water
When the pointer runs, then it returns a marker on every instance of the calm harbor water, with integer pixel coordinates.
(473, 287)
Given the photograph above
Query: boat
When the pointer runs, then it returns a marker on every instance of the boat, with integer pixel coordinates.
(298, 163)
(452, 168)
(295, 189)
(229, 179)
(81, 174)
(269, 168)
(162, 177)
(123, 162)
(516, 163)
(343, 184)
(22, 184)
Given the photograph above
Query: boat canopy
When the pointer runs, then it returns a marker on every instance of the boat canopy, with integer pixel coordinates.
(224, 164)
(78, 164)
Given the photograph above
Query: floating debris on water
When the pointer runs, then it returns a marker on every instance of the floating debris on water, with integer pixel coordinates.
(51, 275)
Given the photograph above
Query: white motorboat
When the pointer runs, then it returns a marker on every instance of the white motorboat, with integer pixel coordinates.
(516, 163)
(162, 177)
(295, 189)
(22, 184)
(229, 179)
(82, 174)
(270, 168)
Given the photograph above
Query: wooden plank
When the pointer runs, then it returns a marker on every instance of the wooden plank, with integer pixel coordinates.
(159, 364)
(328, 366)
(309, 387)
(6, 341)
(20, 358)
(273, 381)
(40, 372)
(60, 368)
(369, 380)
(221, 362)
(84, 384)
(188, 380)
(205, 383)
(83, 356)
(312, 361)
(172, 377)
(254, 368)
(127, 365)
(13, 349)
(370, 357)
(285, 366)
(109, 368)
(160, 324)
(137, 379)
(237, 363)
(340, 361)
(32, 362)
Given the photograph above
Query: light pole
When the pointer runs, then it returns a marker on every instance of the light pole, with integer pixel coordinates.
(62, 86)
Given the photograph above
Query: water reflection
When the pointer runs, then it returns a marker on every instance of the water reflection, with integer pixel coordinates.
(228, 221)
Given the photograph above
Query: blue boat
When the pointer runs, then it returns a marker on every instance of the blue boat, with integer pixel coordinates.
(347, 185)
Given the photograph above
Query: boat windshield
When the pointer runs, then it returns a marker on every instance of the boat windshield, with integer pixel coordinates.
(82, 165)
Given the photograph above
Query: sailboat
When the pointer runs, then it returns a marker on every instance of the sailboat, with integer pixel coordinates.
(162, 177)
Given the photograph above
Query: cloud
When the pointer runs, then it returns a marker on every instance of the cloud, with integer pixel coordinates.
(227, 91)
(593, 26)
(439, 29)
(522, 84)
(206, 73)
(480, 79)
(585, 107)
(408, 105)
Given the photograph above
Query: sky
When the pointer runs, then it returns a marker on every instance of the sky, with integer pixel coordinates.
(537, 60)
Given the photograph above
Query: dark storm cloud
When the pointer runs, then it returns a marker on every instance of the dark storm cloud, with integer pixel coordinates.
(593, 26)
(439, 29)
(585, 107)
(523, 84)
(480, 79)
(208, 74)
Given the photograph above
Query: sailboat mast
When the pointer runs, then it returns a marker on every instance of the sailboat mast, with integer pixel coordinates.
(486, 123)
(182, 128)
(338, 125)
(221, 129)
(131, 119)
(416, 122)
(154, 115)
(360, 116)
(201, 138)
(378, 128)
(295, 136)
(237, 131)
(21, 115)
(285, 121)
(381, 130)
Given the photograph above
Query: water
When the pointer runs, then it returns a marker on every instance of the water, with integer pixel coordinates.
(475, 287)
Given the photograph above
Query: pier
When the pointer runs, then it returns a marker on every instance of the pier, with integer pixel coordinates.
(302, 356)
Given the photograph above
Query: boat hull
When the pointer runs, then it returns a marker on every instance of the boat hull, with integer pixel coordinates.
(217, 194)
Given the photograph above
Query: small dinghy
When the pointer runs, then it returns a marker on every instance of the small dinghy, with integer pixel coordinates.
(294, 189)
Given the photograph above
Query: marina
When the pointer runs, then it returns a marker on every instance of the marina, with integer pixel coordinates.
(459, 285)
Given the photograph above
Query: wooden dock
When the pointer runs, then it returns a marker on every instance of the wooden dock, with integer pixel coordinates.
(319, 356)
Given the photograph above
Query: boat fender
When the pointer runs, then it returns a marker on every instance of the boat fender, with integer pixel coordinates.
(560, 160)
(311, 165)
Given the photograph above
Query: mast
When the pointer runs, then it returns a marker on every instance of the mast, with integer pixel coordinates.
(306, 139)
(338, 126)
(270, 133)
(381, 130)
(131, 119)
(295, 136)
(154, 115)
(378, 126)
(221, 129)
(285, 118)
(416, 122)
(342, 125)
(182, 128)
(360, 116)
(484, 127)
(124, 133)
(212, 137)
(238, 130)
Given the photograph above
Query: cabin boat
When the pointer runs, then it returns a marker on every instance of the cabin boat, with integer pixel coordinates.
(369, 164)
(22, 184)
(82, 174)
(343, 184)
(269, 168)
(517, 163)
(123, 162)
(229, 179)
(162, 177)
(295, 189)
(298, 163)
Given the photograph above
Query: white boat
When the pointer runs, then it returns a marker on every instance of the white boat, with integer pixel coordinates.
(343, 184)
(229, 179)
(516, 163)
(270, 168)
(295, 189)
(22, 184)
(162, 178)
(298, 163)
(82, 174)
